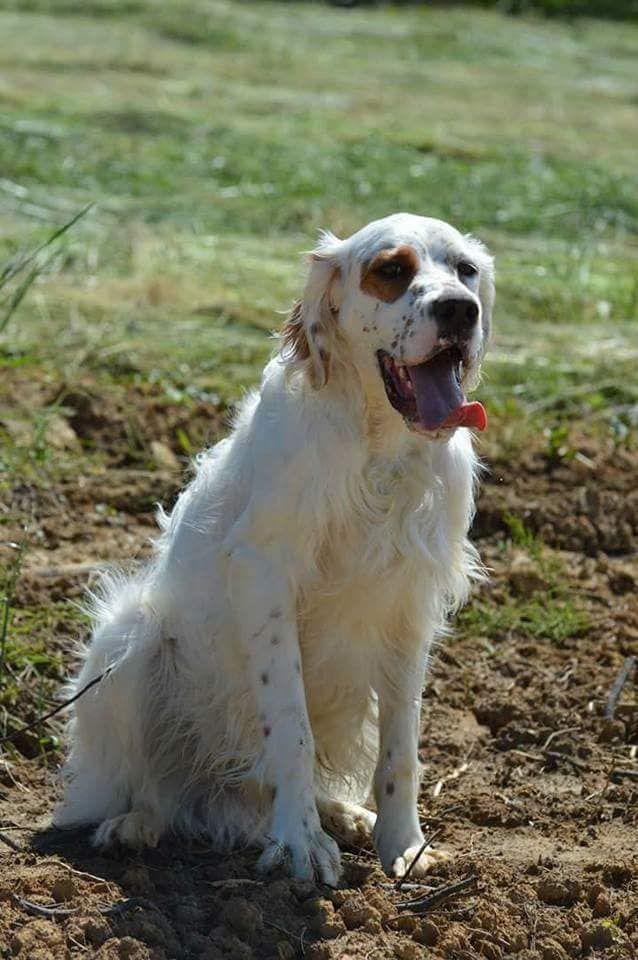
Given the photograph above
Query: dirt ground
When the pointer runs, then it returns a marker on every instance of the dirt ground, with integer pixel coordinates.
(526, 783)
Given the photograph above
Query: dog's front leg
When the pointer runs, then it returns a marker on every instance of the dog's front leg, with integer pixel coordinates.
(397, 833)
(264, 611)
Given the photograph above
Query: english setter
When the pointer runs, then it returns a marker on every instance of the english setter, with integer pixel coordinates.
(265, 670)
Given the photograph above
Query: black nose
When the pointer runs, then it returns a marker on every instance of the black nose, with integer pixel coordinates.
(455, 317)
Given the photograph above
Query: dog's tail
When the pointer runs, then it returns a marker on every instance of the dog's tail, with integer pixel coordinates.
(106, 728)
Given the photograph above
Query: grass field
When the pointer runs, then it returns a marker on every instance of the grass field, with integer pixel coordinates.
(213, 141)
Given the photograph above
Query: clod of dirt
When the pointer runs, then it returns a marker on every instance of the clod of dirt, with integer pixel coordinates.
(243, 917)
(612, 731)
(40, 938)
(427, 933)
(128, 949)
(495, 713)
(356, 911)
(559, 893)
(553, 951)
(597, 936)
(321, 951)
(64, 889)
(622, 582)
(407, 951)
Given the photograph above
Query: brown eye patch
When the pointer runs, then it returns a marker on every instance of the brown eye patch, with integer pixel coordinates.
(389, 275)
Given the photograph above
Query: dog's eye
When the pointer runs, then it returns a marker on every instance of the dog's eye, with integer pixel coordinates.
(466, 270)
(391, 270)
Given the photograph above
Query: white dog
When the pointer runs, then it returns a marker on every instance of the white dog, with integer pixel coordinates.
(266, 668)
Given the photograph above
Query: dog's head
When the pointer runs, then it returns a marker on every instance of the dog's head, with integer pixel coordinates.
(407, 303)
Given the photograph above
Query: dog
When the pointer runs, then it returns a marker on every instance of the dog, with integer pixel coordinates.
(263, 674)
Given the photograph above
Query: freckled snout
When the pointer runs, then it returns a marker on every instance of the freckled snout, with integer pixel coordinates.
(456, 317)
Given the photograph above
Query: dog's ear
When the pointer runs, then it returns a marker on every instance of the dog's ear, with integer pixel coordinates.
(485, 263)
(310, 332)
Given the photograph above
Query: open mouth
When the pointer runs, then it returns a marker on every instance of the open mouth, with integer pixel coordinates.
(429, 395)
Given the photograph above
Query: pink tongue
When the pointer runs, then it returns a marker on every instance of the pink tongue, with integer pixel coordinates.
(439, 397)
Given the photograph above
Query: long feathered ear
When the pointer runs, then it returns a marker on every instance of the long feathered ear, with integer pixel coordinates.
(309, 334)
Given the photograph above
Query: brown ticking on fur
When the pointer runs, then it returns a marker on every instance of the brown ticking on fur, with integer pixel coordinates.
(389, 275)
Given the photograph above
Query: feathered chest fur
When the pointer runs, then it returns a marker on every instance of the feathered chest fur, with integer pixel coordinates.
(386, 545)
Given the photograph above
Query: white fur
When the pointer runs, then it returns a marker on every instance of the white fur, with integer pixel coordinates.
(272, 655)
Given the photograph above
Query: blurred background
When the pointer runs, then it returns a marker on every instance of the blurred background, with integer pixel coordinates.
(214, 139)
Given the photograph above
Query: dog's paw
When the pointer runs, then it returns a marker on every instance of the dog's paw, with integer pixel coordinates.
(397, 849)
(306, 855)
(135, 829)
(429, 858)
(352, 824)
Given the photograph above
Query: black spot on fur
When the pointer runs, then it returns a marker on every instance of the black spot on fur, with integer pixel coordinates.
(275, 613)
(314, 329)
(389, 788)
(297, 666)
(264, 678)
(266, 730)
(275, 639)
(389, 754)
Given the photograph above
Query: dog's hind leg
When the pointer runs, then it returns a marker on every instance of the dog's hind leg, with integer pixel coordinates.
(348, 822)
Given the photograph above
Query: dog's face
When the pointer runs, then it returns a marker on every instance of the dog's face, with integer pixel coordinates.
(407, 301)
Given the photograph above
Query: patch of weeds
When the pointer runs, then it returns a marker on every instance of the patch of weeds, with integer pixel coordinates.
(34, 666)
(522, 536)
(544, 606)
(544, 617)
(612, 924)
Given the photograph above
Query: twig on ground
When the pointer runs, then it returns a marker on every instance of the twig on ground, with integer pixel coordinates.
(10, 843)
(65, 703)
(423, 904)
(554, 755)
(77, 873)
(557, 733)
(426, 843)
(451, 776)
(617, 687)
(618, 773)
(112, 910)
